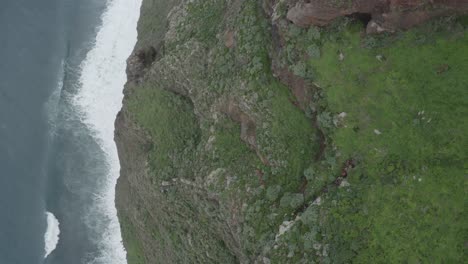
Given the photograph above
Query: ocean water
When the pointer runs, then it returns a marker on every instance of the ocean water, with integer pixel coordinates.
(62, 71)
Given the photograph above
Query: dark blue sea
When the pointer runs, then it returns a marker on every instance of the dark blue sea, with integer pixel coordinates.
(62, 71)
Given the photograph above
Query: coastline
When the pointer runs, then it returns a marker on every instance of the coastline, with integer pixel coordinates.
(102, 78)
(245, 138)
(83, 166)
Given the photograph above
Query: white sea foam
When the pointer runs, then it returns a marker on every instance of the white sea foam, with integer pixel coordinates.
(52, 233)
(51, 236)
(99, 99)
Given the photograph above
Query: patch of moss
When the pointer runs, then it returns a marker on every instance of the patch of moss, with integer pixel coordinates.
(206, 19)
(170, 121)
(287, 138)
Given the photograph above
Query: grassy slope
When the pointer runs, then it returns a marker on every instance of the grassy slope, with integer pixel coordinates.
(407, 201)
(151, 30)
(406, 198)
(133, 245)
(285, 138)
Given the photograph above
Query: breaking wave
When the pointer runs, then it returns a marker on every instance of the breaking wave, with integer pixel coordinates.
(98, 100)
(52, 233)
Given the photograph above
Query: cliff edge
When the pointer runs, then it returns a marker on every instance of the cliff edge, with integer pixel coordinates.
(285, 131)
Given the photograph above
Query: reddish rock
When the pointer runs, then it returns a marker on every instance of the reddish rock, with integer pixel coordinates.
(386, 15)
(248, 132)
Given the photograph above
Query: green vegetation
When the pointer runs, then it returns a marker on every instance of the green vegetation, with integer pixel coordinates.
(288, 138)
(172, 125)
(393, 104)
(405, 106)
(153, 22)
(205, 19)
(285, 136)
(132, 244)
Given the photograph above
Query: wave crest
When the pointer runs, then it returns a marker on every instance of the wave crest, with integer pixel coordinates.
(51, 236)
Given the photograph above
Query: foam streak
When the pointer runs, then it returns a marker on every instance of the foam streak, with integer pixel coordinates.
(99, 99)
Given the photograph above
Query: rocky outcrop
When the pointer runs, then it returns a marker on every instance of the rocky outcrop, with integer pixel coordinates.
(139, 62)
(379, 15)
(248, 128)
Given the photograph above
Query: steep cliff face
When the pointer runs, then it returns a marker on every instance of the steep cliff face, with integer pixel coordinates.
(251, 134)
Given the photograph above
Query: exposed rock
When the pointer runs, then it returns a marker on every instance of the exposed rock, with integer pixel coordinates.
(248, 128)
(386, 15)
(139, 62)
(341, 56)
(300, 88)
(317, 201)
(135, 68)
(147, 55)
(380, 57)
(229, 40)
(319, 12)
(344, 183)
(284, 227)
(266, 260)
